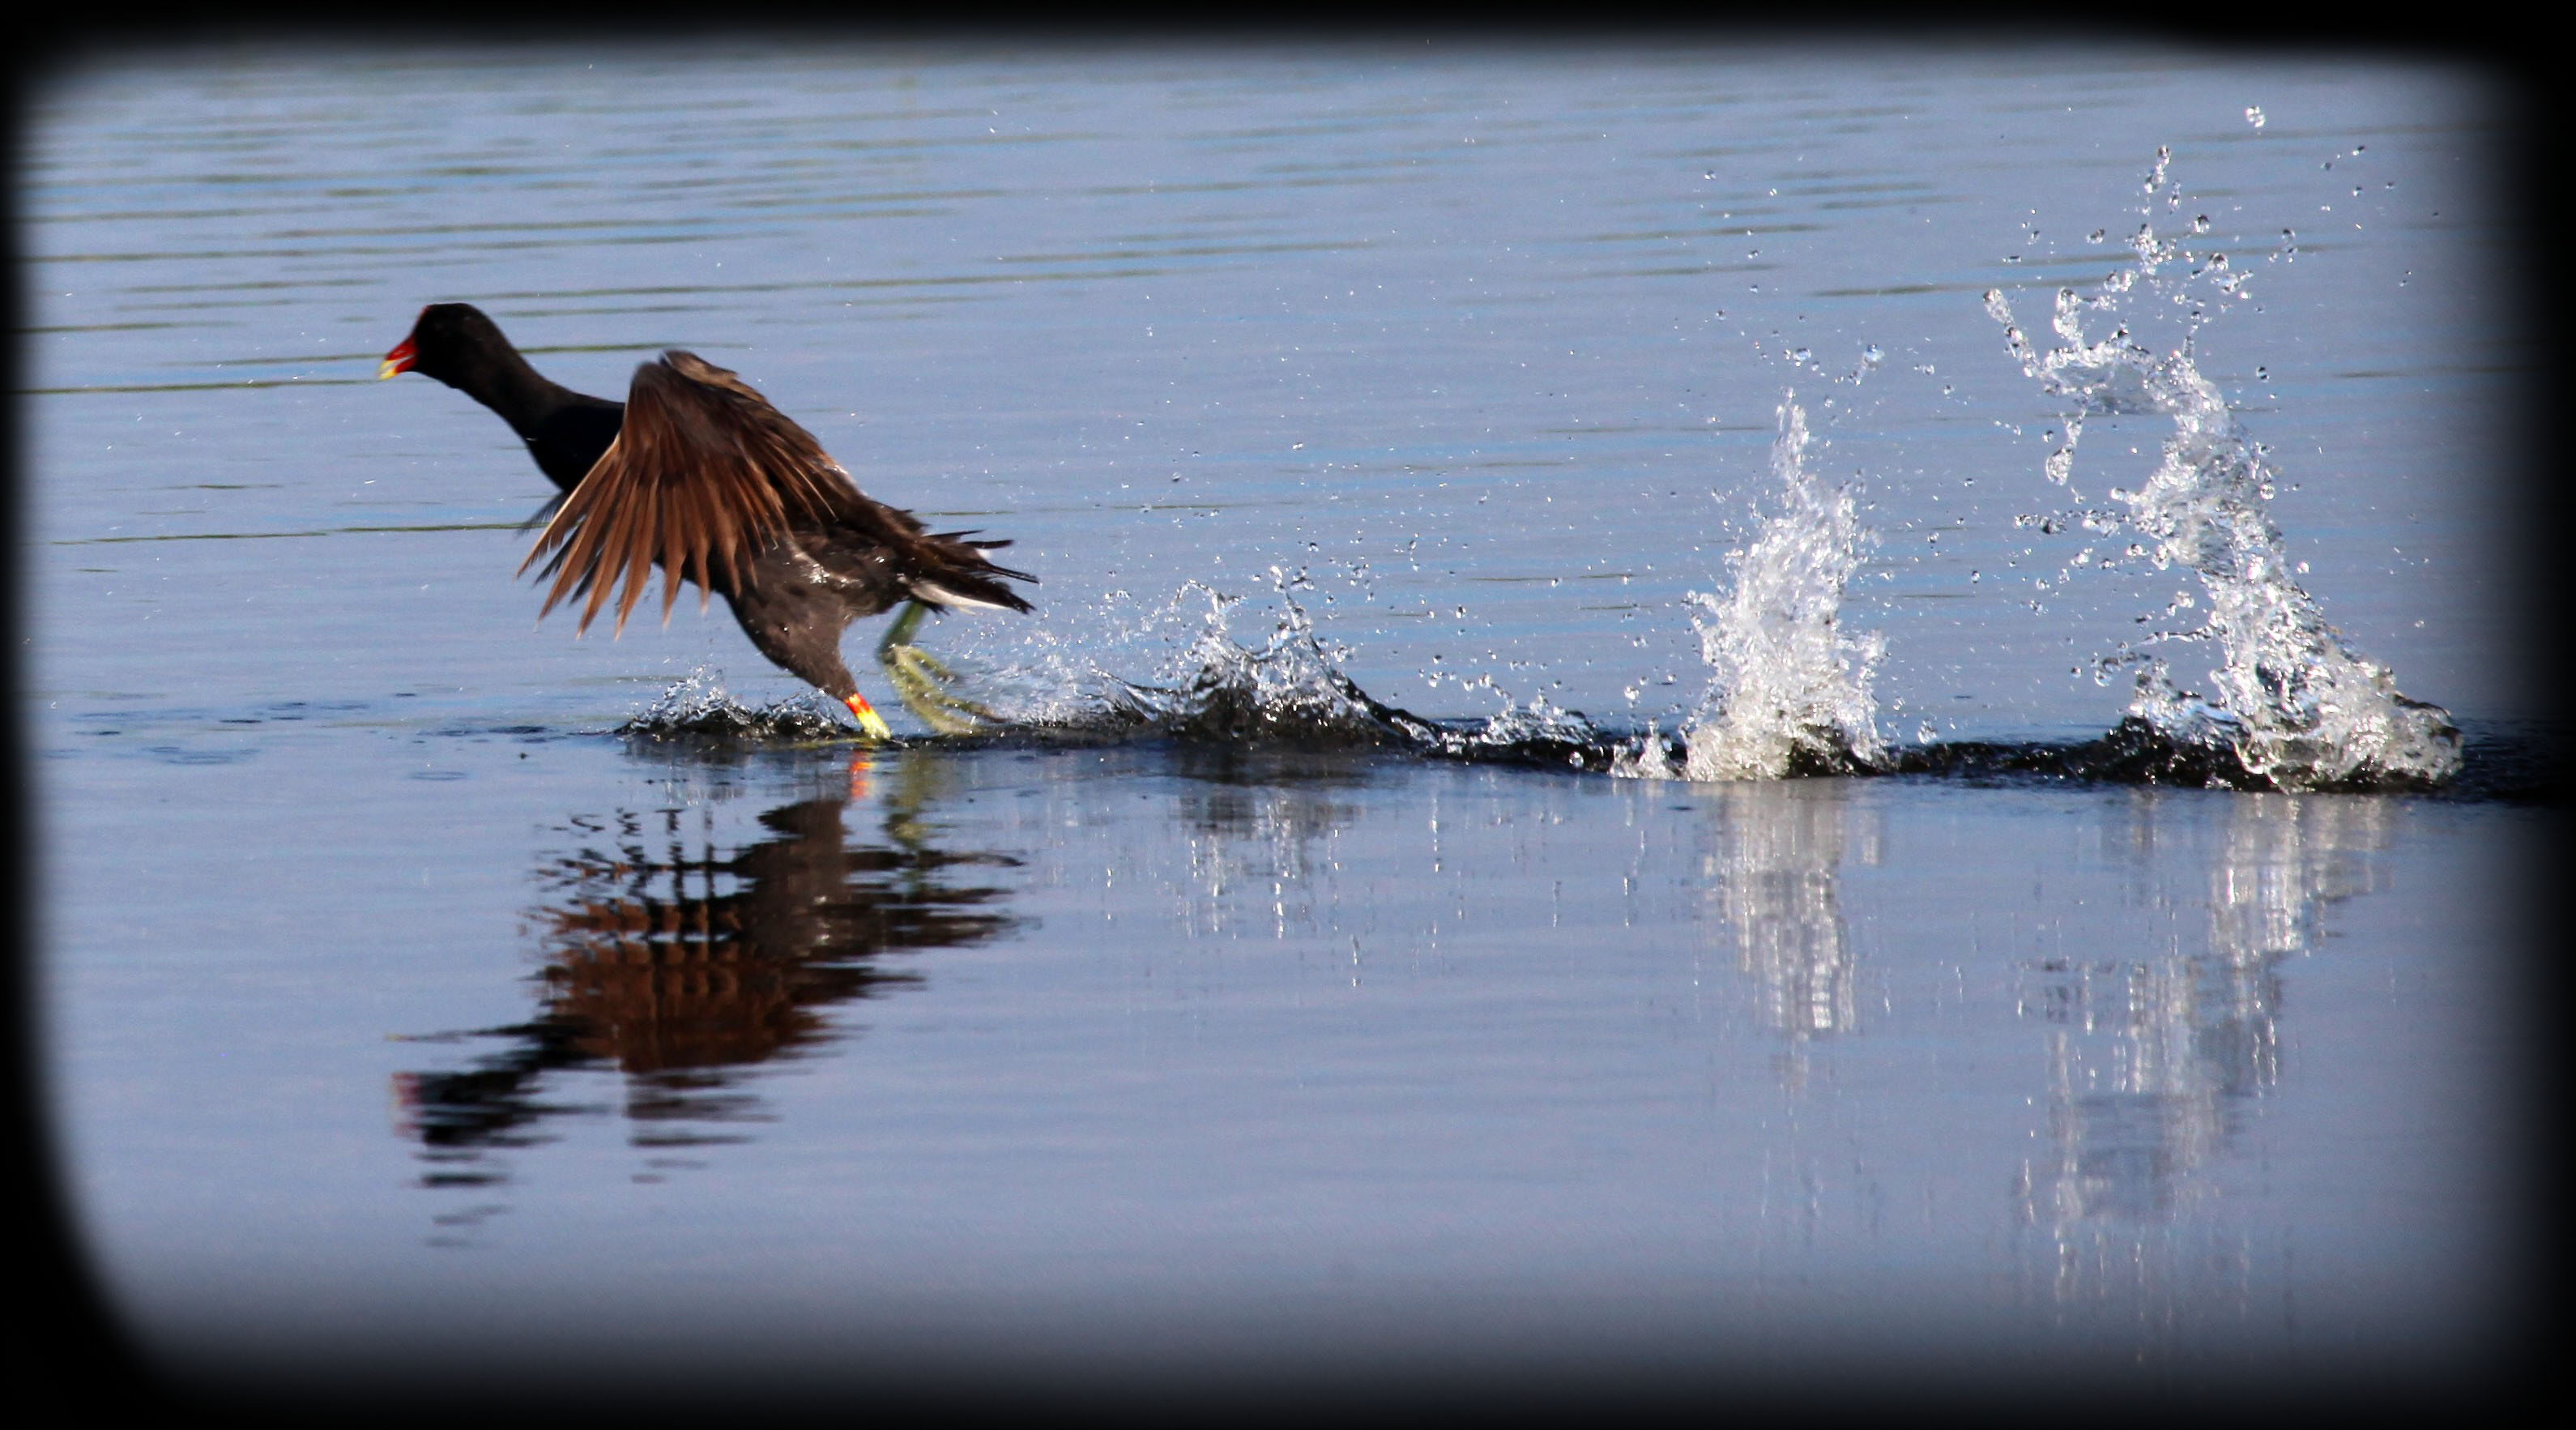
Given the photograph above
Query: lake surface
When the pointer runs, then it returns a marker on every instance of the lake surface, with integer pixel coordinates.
(407, 1008)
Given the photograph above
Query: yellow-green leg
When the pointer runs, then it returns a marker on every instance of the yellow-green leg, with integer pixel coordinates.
(919, 679)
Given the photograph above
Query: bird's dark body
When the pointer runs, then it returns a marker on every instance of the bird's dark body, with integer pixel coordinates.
(804, 588)
(797, 620)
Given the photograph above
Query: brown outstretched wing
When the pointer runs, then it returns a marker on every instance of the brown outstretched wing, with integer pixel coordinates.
(703, 476)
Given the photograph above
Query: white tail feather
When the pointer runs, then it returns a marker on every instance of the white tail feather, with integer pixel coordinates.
(936, 595)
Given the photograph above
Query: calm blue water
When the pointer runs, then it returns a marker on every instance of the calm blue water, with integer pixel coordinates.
(403, 1014)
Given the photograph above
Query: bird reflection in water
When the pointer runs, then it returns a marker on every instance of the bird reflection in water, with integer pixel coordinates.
(681, 965)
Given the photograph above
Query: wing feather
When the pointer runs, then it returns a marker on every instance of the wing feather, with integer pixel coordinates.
(703, 476)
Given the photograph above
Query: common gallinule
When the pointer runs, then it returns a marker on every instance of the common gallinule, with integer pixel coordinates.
(698, 474)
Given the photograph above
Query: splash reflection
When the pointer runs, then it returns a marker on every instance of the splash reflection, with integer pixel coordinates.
(1774, 878)
(2153, 1062)
(1261, 827)
(680, 964)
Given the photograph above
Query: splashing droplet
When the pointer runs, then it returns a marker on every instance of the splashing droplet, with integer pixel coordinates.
(2293, 704)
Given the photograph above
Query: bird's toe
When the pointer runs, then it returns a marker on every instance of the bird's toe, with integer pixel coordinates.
(920, 680)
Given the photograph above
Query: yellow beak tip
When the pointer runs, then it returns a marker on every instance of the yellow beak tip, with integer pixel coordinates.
(869, 720)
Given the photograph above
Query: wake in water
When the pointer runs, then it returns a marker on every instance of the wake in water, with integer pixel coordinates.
(1289, 688)
(1789, 684)
(2290, 703)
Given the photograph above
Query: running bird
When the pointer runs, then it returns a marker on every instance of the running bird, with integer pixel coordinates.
(699, 475)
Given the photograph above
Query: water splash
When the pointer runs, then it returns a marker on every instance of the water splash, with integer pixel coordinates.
(1789, 684)
(2290, 702)
(699, 707)
(1174, 667)
(1289, 687)
(1789, 689)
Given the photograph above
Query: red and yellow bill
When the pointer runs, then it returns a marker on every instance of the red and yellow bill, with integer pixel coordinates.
(869, 721)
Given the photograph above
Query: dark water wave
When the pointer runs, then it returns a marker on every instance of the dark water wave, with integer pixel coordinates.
(1227, 705)
(2513, 764)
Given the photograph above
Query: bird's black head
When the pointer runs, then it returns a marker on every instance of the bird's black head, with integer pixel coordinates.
(451, 342)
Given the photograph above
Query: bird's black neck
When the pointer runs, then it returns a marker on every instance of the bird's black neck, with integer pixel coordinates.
(504, 382)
